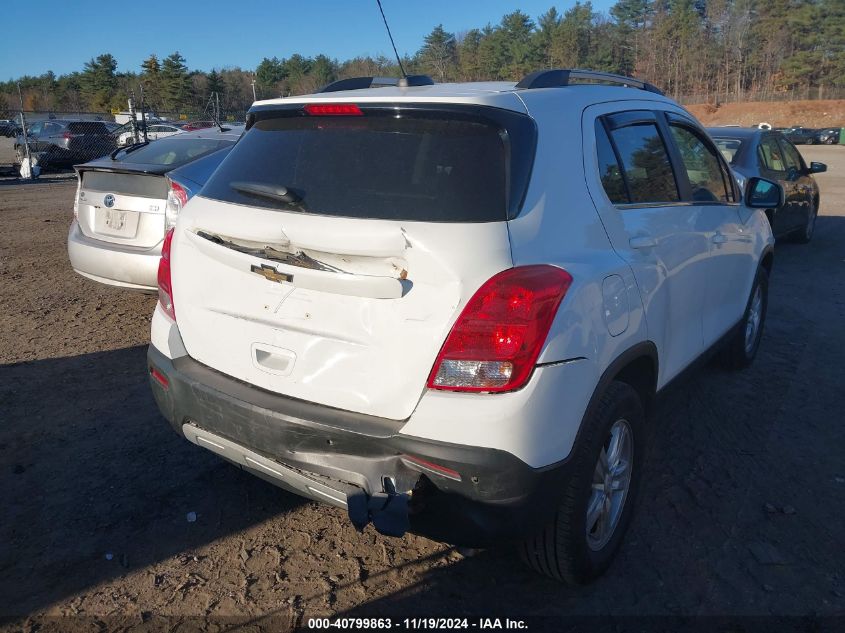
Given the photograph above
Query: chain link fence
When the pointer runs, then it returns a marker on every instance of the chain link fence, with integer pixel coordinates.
(34, 142)
(813, 93)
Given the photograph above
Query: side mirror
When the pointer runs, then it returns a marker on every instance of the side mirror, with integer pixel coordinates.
(763, 194)
(817, 168)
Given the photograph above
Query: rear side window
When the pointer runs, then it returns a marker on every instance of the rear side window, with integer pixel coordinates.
(174, 151)
(609, 172)
(87, 127)
(419, 164)
(771, 155)
(704, 170)
(645, 164)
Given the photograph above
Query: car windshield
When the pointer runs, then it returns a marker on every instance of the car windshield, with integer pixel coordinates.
(729, 147)
(174, 151)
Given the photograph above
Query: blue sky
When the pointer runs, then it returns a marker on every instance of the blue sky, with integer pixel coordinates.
(209, 37)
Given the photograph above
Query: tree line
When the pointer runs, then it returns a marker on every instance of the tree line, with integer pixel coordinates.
(695, 50)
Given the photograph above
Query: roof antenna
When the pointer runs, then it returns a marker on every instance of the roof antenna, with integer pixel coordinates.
(404, 81)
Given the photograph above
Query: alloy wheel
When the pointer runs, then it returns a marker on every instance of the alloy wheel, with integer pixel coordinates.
(610, 485)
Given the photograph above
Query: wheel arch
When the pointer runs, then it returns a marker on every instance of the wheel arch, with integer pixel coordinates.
(637, 366)
(767, 260)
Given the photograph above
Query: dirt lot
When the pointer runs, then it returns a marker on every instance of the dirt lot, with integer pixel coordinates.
(813, 114)
(741, 511)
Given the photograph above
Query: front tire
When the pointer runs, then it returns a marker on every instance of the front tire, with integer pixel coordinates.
(805, 234)
(741, 348)
(597, 501)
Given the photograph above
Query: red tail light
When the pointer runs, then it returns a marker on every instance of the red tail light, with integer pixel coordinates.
(165, 286)
(67, 136)
(497, 338)
(177, 198)
(333, 109)
(180, 193)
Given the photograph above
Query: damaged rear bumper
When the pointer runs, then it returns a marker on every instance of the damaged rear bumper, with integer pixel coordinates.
(463, 495)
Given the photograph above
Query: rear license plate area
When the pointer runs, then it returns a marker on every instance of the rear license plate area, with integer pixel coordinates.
(116, 222)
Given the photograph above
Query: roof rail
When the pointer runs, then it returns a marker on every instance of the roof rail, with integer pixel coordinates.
(360, 83)
(559, 77)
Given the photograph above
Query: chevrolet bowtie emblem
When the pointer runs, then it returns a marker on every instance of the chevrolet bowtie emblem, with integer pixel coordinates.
(270, 274)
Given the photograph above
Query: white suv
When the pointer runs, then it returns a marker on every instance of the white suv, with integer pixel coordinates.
(448, 308)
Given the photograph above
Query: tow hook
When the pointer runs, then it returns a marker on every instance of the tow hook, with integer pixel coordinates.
(387, 511)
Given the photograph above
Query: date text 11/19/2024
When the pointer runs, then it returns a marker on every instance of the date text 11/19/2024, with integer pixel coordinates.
(416, 624)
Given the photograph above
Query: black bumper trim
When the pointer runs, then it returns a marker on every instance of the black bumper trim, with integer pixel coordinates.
(498, 497)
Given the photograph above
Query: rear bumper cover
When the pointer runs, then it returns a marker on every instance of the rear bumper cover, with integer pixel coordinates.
(358, 461)
(112, 264)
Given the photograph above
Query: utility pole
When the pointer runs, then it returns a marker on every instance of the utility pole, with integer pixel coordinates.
(23, 132)
(143, 116)
(254, 98)
(132, 120)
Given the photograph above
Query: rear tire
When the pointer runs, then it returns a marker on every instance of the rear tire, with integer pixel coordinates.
(741, 349)
(607, 460)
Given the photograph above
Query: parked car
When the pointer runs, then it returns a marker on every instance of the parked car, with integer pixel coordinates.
(121, 210)
(9, 128)
(829, 135)
(155, 131)
(768, 154)
(197, 125)
(801, 135)
(58, 142)
(429, 308)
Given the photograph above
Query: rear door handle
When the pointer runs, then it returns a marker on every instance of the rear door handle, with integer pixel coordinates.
(643, 241)
(721, 238)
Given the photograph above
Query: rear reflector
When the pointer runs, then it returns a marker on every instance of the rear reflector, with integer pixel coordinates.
(333, 109)
(437, 469)
(159, 377)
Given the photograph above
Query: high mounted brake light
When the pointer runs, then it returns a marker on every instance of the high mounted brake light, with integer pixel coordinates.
(333, 109)
(498, 336)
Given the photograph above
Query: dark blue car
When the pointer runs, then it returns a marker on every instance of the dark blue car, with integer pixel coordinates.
(769, 154)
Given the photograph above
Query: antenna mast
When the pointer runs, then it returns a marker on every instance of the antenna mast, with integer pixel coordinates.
(395, 52)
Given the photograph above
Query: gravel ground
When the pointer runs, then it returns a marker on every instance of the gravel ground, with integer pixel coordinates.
(740, 513)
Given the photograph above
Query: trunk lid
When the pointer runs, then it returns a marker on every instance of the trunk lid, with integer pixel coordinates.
(327, 260)
(122, 207)
(122, 198)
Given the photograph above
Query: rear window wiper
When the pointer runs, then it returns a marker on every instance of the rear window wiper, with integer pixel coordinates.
(271, 192)
(128, 149)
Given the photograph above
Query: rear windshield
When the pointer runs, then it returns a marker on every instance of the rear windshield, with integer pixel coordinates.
(174, 151)
(729, 147)
(87, 127)
(456, 165)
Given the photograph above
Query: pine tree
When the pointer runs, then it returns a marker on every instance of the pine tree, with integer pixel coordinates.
(438, 55)
(99, 82)
(175, 81)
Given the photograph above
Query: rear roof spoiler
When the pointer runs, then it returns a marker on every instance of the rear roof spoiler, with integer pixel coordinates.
(361, 83)
(560, 77)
